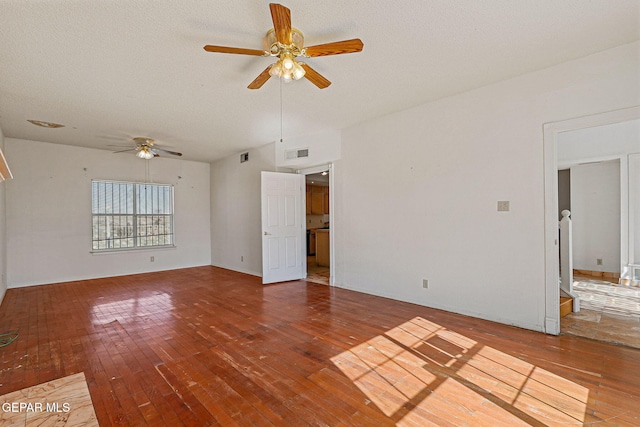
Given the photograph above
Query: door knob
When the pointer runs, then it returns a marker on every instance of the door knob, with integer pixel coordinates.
(267, 234)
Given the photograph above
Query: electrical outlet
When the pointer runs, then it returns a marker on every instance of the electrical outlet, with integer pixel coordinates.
(153, 259)
(599, 261)
(425, 283)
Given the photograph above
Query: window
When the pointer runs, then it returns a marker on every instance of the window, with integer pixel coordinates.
(129, 215)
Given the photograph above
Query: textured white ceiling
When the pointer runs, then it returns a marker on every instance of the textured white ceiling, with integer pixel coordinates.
(110, 70)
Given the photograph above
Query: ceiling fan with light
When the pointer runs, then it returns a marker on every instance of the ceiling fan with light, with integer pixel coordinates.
(287, 44)
(146, 148)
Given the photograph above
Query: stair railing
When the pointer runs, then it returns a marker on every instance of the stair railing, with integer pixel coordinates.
(566, 258)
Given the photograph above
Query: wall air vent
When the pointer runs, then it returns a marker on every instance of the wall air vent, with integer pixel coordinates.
(296, 154)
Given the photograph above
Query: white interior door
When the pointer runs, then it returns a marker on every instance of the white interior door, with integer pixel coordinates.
(282, 227)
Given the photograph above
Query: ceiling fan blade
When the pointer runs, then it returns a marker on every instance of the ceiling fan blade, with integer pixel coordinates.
(335, 48)
(124, 151)
(314, 77)
(238, 50)
(261, 79)
(281, 17)
(161, 150)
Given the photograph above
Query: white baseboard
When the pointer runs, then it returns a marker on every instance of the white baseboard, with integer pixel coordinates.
(239, 270)
(551, 326)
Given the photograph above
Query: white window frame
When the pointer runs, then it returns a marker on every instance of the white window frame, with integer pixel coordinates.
(133, 239)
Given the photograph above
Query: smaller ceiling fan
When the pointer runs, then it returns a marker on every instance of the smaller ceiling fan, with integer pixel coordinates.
(145, 148)
(287, 43)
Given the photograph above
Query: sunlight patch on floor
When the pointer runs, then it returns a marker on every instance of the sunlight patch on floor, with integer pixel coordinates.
(607, 297)
(421, 370)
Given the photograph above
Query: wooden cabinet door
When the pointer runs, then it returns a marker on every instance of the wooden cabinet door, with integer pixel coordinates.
(317, 203)
(326, 202)
(322, 248)
(317, 199)
(312, 242)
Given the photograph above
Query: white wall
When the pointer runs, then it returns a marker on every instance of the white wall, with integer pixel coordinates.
(236, 229)
(595, 214)
(49, 213)
(433, 175)
(3, 235)
(324, 147)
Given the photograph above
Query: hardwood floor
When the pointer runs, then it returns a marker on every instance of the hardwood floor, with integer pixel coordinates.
(206, 346)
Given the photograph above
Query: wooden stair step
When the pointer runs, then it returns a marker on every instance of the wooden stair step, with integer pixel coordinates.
(566, 306)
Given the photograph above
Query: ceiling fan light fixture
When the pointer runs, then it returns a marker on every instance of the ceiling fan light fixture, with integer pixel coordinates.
(287, 69)
(298, 71)
(270, 40)
(287, 61)
(144, 153)
(276, 70)
(287, 44)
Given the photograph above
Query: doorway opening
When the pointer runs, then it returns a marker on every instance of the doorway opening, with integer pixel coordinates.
(591, 153)
(604, 308)
(318, 214)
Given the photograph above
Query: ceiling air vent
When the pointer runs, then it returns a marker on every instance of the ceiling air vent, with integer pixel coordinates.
(244, 157)
(296, 154)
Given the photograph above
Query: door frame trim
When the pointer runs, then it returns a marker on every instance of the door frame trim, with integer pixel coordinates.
(550, 161)
(332, 252)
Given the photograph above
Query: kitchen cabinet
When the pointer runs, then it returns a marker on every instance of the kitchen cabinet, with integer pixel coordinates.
(312, 242)
(317, 203)
(317, 199)
(322, 247)
(325, 206)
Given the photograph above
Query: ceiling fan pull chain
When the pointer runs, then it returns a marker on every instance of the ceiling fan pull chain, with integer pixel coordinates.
(281, 111)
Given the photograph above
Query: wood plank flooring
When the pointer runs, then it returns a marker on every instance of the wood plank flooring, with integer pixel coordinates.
(206, 346)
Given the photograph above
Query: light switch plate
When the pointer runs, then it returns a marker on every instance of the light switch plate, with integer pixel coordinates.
(503, 206)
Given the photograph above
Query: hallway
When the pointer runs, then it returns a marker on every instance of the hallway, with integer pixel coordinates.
(608, 312)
